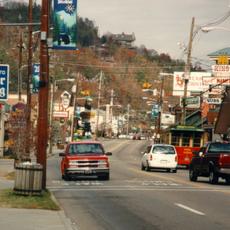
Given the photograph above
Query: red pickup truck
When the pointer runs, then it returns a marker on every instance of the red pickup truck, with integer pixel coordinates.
(85, 158)
(213, 161)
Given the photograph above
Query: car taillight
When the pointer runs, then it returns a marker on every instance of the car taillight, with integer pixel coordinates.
(176, 158)
(151, 157)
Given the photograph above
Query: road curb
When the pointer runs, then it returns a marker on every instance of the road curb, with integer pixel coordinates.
(65, 220)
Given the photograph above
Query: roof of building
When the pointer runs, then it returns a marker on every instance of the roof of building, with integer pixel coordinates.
(224, 51)
(124, 37)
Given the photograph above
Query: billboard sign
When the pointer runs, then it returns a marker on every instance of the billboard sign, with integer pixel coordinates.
(195, 83)
(65, 24)
(4, 82)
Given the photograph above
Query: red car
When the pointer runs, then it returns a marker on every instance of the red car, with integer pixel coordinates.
(85, 158)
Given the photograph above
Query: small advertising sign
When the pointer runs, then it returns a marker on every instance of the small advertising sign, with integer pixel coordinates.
(214, 101)
(65, 97)
(4, 82)
(221, 70)
(65, 24)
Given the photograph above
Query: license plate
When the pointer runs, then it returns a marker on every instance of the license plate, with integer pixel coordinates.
(164, 161)
(88, 171)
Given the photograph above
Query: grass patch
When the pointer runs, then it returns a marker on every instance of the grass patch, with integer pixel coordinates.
(9, 199)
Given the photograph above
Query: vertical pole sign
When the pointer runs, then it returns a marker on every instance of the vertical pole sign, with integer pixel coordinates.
(35, 78)
(4, 89)
(4, 82)
(65, 24)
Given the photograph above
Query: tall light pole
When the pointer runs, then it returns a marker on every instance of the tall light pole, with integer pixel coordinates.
(187, 72)
(128, 111)
(98, 103)
(42, 130)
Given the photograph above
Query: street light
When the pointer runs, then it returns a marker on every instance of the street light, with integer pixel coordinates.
(207, 29)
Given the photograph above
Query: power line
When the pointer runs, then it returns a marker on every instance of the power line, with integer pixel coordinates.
(117, 67)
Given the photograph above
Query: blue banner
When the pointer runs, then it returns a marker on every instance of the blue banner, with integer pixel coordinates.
(35, 78)
(65, 24)
(4, 82)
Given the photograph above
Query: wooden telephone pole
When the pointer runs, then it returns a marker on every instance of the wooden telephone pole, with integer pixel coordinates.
(29, 79)
(187, 72)
(42, 130)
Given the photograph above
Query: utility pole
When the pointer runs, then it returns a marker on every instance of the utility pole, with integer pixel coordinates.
(111, 111)
(160, 103)
(128, 110)
(20, 46)
(29, 79)
(75, 93)
(187, 72)
(42, 130)
(98, 103)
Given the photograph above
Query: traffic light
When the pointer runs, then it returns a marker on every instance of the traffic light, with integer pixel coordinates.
(88, 103)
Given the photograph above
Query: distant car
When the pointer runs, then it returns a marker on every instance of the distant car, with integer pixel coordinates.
(136, 137)
(85, 158)
(159, 156)
(213, 161)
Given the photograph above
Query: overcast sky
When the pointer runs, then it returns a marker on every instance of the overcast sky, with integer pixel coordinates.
(160, 25)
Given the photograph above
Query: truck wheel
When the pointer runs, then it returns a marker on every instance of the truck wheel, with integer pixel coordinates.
(192, 174)
(227, 180)
(104, 177)
(142, 167)
(66, 177)
(147, 168)
(213, 177)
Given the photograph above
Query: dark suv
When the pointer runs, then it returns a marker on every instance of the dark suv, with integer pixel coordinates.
(213, 161)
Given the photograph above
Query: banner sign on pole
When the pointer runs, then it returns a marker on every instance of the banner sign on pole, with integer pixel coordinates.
(65, 24)
(4, 82)
(35, 78)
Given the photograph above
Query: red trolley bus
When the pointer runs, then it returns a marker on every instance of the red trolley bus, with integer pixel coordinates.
(186, 139)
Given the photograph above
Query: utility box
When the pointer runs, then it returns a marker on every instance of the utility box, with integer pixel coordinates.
(28, 179)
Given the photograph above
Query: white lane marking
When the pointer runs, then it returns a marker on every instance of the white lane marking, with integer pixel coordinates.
(190, 209)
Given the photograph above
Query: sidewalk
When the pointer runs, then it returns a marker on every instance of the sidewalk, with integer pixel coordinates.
(29, 219)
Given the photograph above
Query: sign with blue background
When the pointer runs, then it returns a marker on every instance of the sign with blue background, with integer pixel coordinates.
(4, 82)
(65, 24)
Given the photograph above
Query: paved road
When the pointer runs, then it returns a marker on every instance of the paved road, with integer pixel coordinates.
(135, 199)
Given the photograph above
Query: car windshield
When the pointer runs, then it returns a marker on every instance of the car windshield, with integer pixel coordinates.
(86, 148)
(163, 149)
(219, 147)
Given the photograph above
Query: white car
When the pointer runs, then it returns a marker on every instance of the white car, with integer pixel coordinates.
(159, 156)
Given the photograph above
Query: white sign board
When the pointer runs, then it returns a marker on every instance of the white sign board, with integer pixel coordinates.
(60, 114)
(167, 119)
(195, 83)
(221, 70)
